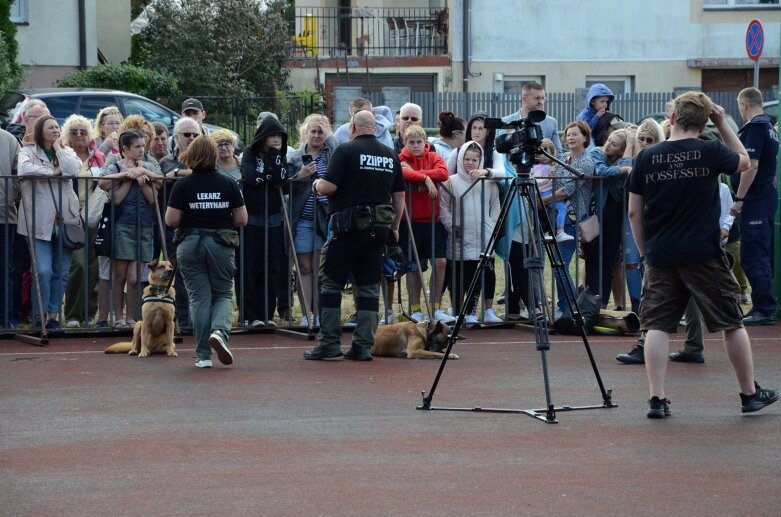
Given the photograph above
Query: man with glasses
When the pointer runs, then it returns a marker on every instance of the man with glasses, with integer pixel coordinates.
(532, 99)
(185, 131)
(410, 114)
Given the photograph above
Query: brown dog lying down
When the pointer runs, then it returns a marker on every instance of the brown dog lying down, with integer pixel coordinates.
(154, 333)
(412, 340)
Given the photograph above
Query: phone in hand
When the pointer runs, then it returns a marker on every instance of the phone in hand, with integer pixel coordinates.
(306, 159)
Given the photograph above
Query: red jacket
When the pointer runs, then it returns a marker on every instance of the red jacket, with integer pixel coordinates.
(428, 164)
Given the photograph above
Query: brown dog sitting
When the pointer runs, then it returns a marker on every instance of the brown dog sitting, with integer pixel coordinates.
(154, 333)
(412, 340)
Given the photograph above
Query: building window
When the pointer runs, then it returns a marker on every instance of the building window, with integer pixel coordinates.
(19, 11)
(618, 84)
(514, 83)
(740, 4)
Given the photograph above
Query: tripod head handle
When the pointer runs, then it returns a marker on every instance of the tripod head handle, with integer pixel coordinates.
(573, 170)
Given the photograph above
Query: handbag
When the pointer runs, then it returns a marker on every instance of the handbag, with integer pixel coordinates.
(71, 234)
(95, 203)
(589, 228)
(103, 239)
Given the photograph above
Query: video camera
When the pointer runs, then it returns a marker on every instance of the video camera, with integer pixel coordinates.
(522, 143)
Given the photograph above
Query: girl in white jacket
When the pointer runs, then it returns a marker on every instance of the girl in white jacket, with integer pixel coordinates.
(468, 210)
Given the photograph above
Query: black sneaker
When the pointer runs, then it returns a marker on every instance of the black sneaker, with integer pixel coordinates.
(756, 318)
(758, 400)
(321, 352)
(219, 344)
(356, 354)
(634, 356)
(658, 408)
(682, 356)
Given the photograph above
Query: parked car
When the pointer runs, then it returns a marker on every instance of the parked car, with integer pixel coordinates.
(63, 102)
(771, 110)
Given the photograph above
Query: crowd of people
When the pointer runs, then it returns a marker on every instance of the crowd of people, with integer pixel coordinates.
(336, 202)
(454, 182)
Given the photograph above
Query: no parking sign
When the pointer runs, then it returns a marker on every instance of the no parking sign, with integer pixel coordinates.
(755, 39)
(755, 42)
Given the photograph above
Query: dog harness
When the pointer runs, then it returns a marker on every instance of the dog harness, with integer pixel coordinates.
(159, 295)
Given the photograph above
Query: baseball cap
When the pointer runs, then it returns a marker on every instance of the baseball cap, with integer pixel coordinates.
(192, 104)
(263, 115)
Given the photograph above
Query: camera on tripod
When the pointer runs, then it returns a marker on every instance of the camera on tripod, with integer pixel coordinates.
(522, 143)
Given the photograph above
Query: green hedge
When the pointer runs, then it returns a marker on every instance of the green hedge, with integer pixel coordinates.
(129, 78)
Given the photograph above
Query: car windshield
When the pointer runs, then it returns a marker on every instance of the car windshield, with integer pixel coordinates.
(9, 104)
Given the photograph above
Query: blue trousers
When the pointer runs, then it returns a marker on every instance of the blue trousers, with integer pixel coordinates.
(756, 246)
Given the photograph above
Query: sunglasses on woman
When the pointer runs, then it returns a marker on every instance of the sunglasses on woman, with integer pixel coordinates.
(83, 132)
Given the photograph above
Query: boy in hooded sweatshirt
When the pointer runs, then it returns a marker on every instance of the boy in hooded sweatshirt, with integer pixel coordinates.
(597, 103)
(263, 169)
(471, 228)
(422, 167)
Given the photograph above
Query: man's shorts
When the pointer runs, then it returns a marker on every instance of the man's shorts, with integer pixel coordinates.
(666, 291)
(422, 233)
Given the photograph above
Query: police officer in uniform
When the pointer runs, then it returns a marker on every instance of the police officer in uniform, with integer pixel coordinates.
(363, 177)
(756, 200)
(206, 207)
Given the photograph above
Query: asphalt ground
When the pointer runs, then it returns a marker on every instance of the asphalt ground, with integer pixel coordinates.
(85, 433)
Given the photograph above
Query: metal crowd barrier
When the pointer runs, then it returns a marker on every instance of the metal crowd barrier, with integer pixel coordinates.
(15, 251)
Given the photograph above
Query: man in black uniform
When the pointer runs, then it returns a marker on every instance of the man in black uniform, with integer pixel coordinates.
(362, 178)
(756, 201)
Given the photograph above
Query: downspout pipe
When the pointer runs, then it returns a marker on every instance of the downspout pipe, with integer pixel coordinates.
(82, 34)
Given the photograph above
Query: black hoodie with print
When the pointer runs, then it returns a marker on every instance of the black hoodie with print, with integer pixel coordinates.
(262, 171)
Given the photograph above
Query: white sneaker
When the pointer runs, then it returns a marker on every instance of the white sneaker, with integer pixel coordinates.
(443, 316)
(564, 237)
(218, 343)
(72, 324)
(416, 316)
(131, 323)
(524, 313)
(388, 319)
(270, 324)
(257, 324)
(203, 363)
(120, 324)
(471, 319)
(490, 317)
(304, 321)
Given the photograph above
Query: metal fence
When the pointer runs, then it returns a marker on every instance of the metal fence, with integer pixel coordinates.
(563, 106)
(326, 32)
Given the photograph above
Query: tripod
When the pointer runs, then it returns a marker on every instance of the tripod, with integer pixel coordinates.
(523, 190)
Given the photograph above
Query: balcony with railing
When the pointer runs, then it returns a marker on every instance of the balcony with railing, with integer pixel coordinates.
(323, 32)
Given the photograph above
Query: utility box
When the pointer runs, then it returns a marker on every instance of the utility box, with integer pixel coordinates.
(343, 96)
(394, 97)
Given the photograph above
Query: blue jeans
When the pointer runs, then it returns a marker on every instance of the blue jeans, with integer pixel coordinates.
(567, 250)
(54, 262)
(634, 275)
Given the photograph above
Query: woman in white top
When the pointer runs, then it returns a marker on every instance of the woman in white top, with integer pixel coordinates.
(47, 204)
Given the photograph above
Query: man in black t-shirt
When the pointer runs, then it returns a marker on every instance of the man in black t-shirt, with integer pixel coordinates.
(674, 213)
(206, 206)
(363, 177)
(756, 199)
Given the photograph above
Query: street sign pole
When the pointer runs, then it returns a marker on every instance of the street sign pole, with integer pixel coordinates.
(777, 229)
(756, 74)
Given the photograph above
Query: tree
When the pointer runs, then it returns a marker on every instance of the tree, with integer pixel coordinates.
(11, 73)
(218, 47)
